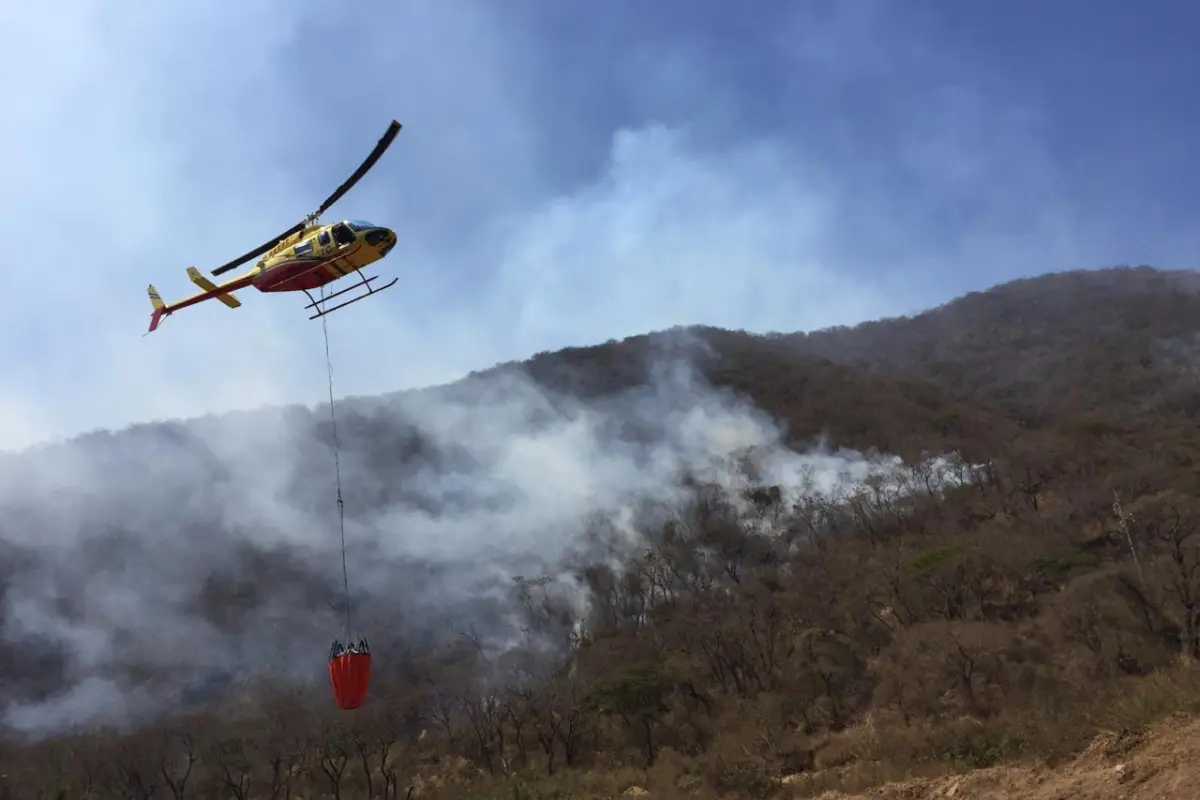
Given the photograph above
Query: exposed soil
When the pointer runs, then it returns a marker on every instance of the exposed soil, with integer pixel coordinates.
(1160, 764)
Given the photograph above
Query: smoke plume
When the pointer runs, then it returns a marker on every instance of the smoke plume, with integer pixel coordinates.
(148, 568)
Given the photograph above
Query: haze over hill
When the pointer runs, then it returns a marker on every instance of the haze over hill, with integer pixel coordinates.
(151, 566)
(904, 485)
(220, 531)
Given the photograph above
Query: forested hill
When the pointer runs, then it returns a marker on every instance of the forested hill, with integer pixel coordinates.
(1120, 343)
(700, 560)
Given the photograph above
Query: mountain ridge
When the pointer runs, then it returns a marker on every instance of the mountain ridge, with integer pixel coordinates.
(714, 557)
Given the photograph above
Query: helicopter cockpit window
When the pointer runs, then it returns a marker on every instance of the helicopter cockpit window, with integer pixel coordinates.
(323, 238)
(342, 234)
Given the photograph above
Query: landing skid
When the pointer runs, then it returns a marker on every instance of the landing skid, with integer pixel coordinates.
(318, 304)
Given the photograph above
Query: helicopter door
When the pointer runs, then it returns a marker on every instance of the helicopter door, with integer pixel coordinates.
(342, 235)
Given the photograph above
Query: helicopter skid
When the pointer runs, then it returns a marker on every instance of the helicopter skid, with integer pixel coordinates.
(319, 304)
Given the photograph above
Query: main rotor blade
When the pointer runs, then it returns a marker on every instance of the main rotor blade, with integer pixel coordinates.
(384, 142)
(258, 251)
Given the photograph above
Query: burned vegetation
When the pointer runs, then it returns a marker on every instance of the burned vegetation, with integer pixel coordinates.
(1024, 573)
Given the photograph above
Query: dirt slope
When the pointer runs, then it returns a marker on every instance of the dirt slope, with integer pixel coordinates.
(1159, 764)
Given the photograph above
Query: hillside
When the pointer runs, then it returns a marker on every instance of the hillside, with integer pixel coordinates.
(1152, 763)
(1047, 348)
(699, 562)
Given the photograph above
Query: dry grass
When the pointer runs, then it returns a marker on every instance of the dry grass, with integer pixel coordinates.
(878, 751)
(883, 750)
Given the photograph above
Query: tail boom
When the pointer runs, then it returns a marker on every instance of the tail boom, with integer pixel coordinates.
(223, 293)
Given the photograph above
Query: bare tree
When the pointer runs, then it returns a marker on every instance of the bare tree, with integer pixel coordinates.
(176, 760)
(230, 756)
(1172, 521)
(334, 752)
(132, 770)
(283, 741)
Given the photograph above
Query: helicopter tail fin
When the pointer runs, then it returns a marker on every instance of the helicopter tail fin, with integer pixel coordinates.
(204, 283)
(160, 308)
(155, 298)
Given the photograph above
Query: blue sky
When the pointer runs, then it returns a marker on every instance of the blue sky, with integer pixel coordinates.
(568, 172)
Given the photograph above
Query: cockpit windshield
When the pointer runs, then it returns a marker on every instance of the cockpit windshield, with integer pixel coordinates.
(360, 225)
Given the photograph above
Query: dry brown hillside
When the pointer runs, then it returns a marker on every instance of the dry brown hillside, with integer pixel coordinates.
(1017, 597)
(1157, 763)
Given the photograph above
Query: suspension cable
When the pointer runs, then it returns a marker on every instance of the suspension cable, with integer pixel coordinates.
(337, 469)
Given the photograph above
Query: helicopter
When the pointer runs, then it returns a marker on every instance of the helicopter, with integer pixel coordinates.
(304, 257)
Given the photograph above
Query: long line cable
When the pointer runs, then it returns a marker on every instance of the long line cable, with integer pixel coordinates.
(337, 470)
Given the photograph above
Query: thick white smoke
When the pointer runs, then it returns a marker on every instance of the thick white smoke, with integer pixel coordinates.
(157, 563)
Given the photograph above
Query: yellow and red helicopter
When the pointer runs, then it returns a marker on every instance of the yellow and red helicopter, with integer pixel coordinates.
(304, 257)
